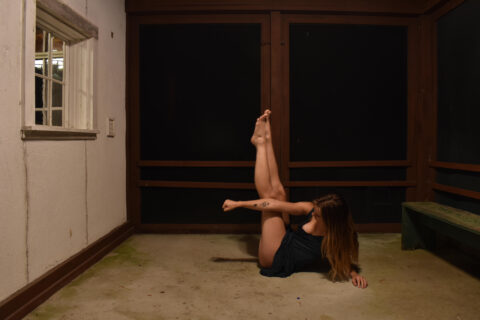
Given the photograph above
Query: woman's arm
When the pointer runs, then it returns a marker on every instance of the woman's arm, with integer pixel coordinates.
(294, 208)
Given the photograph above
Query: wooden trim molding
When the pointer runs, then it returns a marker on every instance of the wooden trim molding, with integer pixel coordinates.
(197, 164)
(457, 191)
(385, 183)
(405, 7)
(347, 164)
(195, 184)
(32, 295)
(455, 166)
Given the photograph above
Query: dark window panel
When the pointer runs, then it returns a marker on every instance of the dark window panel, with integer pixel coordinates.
(459, 179)
(347, 174)
(348, 92)
(367, 204)
(196, 206)
(458, 84)
(198, 174)
(200, 91)
(459, 202)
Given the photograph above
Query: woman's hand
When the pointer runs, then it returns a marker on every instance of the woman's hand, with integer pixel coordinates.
(359, 281)
(229, 205)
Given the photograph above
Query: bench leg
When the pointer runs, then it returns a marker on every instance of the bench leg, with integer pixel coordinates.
(416, 235)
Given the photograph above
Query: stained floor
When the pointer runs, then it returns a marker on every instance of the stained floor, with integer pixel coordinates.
(216, 277)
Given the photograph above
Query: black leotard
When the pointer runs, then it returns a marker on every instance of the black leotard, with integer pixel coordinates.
(298, 251)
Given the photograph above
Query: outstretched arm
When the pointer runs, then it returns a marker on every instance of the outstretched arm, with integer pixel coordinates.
(294, 208)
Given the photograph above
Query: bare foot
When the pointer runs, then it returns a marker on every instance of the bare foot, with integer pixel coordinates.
(268, 133)
(258, 136)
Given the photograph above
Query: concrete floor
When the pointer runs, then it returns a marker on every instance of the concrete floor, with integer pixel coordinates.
(191, 277)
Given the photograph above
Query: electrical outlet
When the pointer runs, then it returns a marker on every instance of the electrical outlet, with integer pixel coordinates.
(111, 127)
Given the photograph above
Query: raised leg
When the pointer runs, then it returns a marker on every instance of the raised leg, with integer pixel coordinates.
(273, 228)
(262, 172)
(276, 183)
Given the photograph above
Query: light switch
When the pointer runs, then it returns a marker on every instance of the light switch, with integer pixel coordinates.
(111, 127)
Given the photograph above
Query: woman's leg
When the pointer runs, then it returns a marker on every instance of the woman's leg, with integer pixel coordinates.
(262, 172)
(275, 181)
(273, 228)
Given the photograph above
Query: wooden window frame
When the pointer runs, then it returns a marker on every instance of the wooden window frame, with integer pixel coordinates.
(275, 94)
(134, 163)
(412, 101)
(434, 164)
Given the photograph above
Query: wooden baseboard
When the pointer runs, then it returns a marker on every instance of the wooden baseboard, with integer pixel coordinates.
(32, 295)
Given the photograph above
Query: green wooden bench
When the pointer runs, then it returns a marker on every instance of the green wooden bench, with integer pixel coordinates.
(421, 221)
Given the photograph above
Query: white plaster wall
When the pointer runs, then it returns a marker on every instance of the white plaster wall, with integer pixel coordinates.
(93, 200)
(13, 263)
(56, 201)
(59, 196)
(106, 170)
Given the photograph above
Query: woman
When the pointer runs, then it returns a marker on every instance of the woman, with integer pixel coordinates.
(328, 231)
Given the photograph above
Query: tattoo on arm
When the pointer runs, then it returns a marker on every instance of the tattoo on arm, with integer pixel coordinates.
(265, 204)
(254, 204)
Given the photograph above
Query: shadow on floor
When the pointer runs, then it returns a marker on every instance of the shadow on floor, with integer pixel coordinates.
(249, 244)
(224, 259)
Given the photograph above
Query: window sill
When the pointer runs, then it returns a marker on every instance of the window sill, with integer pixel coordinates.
(52, 133)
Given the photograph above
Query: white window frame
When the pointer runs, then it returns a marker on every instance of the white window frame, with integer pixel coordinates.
(79, 114)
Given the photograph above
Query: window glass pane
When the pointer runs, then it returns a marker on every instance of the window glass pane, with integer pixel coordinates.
(41, 92)
(57, 118)
(57, 59)
(348, 92)
(199, 91)
(57, 45)
(39, 66)
(57, 68)
(57, 93)
(40, 117)
(41, 52)
(39, 40)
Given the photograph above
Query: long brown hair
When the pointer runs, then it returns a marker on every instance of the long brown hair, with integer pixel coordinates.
(340, 243)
